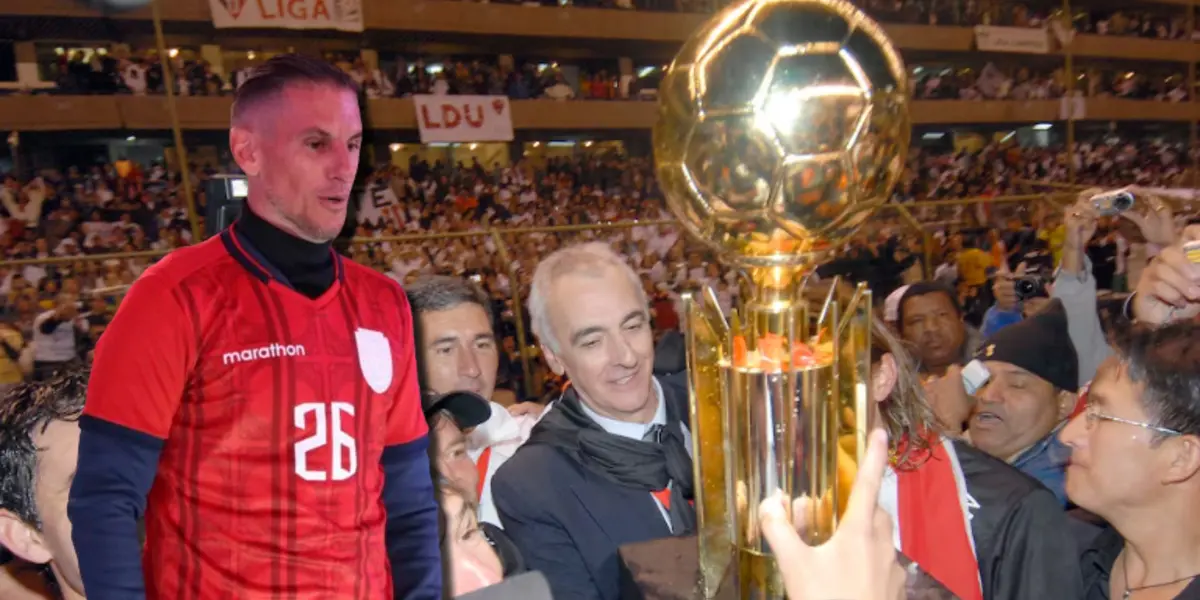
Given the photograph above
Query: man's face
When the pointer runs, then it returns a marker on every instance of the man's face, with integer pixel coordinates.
(301, 155)
(1113, 465)
(605, 344)
(452, 459)
(933, 327)
(1014, 411)
(58, 451)
(458, 352)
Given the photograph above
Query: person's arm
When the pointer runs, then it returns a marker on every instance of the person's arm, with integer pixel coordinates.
(1076, 288)
(412, 513)
(135, 388)
(1034, 555)
(48, 322)
(545, 544)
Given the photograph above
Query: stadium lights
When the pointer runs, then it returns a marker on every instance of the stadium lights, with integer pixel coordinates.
(1042, 126)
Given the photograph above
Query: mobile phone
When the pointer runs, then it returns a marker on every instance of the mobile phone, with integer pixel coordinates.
(975, 376)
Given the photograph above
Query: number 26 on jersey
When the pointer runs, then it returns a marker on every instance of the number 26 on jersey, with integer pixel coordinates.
(329, 442)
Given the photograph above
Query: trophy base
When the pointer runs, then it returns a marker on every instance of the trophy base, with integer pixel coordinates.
(669, 569)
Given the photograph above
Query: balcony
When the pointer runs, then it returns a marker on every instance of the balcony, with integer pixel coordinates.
(444, 17)
(64, 113)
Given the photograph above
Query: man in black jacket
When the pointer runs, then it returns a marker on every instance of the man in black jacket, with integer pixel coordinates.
(608, 464)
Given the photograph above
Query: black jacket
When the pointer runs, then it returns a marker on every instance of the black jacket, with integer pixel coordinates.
(568, 521)
(1097, 564)
(1022, 538)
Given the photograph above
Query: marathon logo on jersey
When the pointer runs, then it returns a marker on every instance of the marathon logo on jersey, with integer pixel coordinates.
(263, 352)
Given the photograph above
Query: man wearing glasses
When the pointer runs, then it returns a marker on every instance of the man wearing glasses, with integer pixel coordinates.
(1135, 461)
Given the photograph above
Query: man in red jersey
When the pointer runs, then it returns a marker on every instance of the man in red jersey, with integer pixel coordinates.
(262, 391)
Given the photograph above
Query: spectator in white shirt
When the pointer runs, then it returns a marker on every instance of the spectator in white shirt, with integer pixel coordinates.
(55, 335)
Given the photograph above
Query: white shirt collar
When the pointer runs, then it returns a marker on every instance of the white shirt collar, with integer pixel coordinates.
(634, 431)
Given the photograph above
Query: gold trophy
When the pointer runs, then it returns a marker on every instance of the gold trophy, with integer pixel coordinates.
(782, 125)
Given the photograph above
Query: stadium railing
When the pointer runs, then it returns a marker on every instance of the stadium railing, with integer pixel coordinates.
(914, 216)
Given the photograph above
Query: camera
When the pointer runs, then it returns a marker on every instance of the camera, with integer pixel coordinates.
(1030, 286)
(1114, 202)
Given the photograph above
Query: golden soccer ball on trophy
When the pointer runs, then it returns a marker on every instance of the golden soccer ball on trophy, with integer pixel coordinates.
(782, 124)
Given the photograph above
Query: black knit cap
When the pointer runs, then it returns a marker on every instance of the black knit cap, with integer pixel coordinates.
(1040, 344)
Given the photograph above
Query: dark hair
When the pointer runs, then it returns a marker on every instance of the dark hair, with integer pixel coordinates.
(441, 292)
(923, 288)
(431, 293)
(25, 412)
(1166, 362)
(269, 79)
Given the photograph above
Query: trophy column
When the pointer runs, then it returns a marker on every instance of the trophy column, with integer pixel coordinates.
(778, 403)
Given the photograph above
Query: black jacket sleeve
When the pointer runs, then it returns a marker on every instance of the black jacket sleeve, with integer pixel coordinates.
(1033, 555)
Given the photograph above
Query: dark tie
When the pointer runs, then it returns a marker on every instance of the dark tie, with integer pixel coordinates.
(654, 434)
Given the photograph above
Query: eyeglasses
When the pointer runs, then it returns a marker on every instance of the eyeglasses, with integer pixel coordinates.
(1092, 415)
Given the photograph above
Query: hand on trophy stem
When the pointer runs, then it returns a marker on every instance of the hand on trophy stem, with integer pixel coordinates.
(861, 551)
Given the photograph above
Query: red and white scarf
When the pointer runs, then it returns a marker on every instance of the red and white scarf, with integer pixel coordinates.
(930, 510)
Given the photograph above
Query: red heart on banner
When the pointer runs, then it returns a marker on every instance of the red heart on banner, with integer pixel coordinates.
(498, 105)
(234, 7)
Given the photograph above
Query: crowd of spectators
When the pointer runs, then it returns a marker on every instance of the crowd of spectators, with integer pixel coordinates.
(127, 207)
(1139, 22)
(1023, 83)
(94, 72)
(1165, 24)
(1003, 168)
(690, 6)
(79, 72)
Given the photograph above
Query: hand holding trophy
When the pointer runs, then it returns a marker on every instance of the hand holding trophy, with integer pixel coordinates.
(782, 125)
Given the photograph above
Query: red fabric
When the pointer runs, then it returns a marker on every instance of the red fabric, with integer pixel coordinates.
(933, 530)
(1081, 403)
(664, 496)
(482, 466)
(271, 434)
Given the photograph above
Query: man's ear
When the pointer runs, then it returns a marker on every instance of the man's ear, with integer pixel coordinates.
(552, 360)
(22, 539)
(1185, 461)
(883, 378)
(242, 143)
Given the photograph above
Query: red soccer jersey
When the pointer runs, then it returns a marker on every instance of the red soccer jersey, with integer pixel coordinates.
(275, 409)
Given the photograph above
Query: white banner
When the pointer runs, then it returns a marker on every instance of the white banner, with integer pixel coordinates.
(1029, 40)
(379, 201)
(464, 118)
(344, 15)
